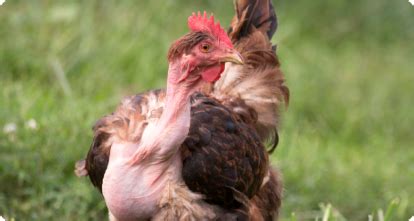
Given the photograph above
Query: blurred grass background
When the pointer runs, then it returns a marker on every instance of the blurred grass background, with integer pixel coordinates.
(346, 138)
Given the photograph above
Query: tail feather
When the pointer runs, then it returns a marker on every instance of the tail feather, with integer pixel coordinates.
(251, 15)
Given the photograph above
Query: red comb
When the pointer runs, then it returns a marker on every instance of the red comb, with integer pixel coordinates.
(197, 22)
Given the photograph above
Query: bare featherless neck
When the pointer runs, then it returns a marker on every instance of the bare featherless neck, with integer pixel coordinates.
(178, 92)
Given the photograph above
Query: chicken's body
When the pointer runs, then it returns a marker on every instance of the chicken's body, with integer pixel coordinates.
(225, 173)
(237, 161)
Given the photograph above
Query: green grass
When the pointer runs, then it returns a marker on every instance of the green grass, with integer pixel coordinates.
(346, 139)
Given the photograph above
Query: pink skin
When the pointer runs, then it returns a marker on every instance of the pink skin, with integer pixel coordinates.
(138, 172)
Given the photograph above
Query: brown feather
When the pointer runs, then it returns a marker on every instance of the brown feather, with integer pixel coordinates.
(253, 14)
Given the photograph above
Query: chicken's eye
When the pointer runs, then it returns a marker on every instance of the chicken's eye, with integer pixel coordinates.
(205, 48)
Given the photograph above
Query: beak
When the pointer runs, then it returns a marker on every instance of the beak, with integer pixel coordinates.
(232, 56)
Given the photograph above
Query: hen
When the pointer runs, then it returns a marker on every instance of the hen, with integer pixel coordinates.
(219, 168)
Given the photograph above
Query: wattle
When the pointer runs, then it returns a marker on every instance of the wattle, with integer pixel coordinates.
(213, 74)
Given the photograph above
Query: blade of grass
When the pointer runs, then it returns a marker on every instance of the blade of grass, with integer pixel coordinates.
(370, 217)
(293, 217)
(391, 209)
(327, 212)
(380, 215)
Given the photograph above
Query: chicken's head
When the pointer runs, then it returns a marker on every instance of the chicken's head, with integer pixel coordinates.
(203, 52)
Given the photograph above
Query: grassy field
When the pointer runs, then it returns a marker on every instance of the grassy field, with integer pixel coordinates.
(346, 138)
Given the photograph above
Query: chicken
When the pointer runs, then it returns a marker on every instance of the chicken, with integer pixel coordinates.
(222, 170)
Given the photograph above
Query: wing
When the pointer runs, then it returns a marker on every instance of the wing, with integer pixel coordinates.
(126, 123)
(223, 157)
